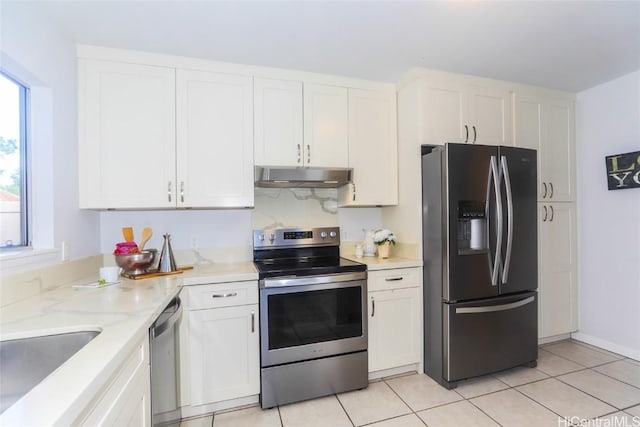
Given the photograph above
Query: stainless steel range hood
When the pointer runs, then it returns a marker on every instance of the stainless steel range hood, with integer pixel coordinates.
(288, 177)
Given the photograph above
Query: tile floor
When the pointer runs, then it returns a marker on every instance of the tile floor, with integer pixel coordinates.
(573, 382)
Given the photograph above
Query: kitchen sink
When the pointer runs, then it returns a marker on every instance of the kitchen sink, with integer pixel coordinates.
(26, 362)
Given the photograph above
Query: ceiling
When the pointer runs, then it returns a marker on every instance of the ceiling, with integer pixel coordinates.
(567, 45)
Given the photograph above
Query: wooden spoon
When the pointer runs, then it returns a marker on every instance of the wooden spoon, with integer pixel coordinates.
(147, 232)
(127, 232)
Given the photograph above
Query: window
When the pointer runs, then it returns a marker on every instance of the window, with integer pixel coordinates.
(13, 164)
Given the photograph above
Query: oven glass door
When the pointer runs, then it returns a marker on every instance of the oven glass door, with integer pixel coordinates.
(307, 322)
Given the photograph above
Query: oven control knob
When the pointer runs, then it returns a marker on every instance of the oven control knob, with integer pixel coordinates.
(261, 237)
(323, 234)
(272, 237)
(332, 234)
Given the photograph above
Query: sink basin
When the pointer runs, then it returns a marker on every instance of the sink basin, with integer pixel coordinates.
(26, 362)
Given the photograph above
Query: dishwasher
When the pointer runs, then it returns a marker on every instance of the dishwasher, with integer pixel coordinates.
(165, 373)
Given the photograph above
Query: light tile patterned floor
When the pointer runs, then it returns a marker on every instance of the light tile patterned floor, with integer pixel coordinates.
(572, 380)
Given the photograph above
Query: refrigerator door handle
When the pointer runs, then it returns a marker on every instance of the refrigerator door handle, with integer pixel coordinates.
(507, 181)
(493, 308)
(496, 186)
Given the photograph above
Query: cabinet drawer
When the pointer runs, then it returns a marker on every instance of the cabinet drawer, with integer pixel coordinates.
(222, 295)
(394, 279)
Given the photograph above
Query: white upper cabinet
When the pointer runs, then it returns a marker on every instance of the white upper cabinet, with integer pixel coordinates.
(325, 126)
(127, 135)
(214, 139)
(300, 124)
(464, 109)
(278, 122)
(545, 121)
(157, 137)
(373, 149)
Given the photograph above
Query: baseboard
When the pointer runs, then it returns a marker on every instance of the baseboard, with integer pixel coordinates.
(197, 411)
(607, 345)
(393, 371)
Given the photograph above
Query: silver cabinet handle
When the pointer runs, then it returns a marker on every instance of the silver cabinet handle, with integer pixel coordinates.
(308, 153)
(475, 134)
(182, 191)
(552, 213)
(354, 192)
(466, 134)
(493, 308)
(551, 190)
(169, 190)
(393, 279)
(253, 321)
(299, 154)
(545, 213)
(373, 307)
(232, 294)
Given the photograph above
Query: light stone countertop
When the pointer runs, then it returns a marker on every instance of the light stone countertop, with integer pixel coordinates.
(374, 263)
(122, 313)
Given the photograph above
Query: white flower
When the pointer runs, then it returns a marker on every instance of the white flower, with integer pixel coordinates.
(381, 236)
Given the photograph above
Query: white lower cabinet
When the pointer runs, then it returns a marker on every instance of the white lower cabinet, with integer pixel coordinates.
(395, 319)
(557, 269)
(127, 399)
(222, 351)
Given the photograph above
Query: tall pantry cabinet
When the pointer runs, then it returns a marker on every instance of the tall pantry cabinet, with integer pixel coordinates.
(436, 107)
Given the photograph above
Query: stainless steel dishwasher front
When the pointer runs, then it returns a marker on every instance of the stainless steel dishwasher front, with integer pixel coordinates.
(165, 374)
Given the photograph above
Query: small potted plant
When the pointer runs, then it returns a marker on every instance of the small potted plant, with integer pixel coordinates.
(384, 238)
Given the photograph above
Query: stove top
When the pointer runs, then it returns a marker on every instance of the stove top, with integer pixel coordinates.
(300, 252)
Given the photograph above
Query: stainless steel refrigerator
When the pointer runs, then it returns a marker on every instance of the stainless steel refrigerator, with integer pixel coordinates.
(480, 260)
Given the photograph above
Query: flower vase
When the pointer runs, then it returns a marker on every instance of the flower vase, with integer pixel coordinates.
(383, 250)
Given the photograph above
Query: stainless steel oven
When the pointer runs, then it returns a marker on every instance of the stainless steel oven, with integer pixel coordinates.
(313, 316)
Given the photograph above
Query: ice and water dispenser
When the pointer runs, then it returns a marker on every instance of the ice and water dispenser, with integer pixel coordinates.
(472, 227)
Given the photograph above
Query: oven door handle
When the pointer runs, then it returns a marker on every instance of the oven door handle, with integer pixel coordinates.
(281, 282)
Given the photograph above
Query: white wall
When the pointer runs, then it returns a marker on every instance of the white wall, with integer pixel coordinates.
(41, 56)
(608, 122)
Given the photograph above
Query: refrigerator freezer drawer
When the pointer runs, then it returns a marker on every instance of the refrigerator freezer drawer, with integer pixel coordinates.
(489, 335)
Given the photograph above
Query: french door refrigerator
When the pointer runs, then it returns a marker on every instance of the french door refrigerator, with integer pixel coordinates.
(480, 260)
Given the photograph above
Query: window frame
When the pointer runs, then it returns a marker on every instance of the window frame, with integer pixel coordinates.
(25, 202)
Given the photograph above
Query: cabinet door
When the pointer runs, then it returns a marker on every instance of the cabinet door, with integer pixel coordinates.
(528, 126)
(278, 122)
(126, 135)
(325, 126)
(489, 115)
(557, 287)
(214, 139)
(224, 352)
(445, 112)
(394, 328)
(557, 152)
(373, 150)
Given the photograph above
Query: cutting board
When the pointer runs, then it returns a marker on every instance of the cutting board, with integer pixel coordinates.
(156, 273)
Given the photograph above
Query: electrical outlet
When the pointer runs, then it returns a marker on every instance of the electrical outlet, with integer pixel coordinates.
(64, 251)
(194, 242)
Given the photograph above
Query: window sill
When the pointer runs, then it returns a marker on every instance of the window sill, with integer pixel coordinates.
(15, 261)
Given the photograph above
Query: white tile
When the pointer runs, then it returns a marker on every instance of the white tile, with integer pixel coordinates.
(520, 375)
(632, 361)
(565, 400)
(616, 419)
(250, 417)
(510, 408)
(584, 355)
(478, 386)
(421, 392)
(197, 422)
(635, 411)
(553, 365)
(325, 411)
(623, 370)
(375, 403)
(410, 420)
(612, 391)
(456, 414)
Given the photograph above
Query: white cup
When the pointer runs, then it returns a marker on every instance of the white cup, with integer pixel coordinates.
(109, 274)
